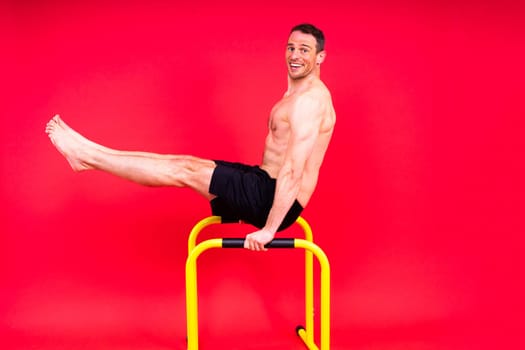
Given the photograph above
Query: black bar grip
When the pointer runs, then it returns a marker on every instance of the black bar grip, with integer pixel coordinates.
(233, 242)
(281, 243)
(275, 243)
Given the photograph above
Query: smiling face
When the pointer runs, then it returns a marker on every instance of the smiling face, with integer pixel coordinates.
(302, 57)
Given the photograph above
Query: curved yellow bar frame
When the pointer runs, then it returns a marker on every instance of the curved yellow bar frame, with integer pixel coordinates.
(201, 225)
(191, 291)
(307, 333)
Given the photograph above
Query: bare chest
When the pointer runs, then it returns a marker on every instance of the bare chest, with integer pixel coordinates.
(279, 124)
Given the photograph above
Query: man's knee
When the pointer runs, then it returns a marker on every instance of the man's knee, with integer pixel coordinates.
(192, 171)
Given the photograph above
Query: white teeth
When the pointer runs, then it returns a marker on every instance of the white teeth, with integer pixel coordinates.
(295, 65)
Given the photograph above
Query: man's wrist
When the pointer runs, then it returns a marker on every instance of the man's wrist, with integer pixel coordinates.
(269, 230)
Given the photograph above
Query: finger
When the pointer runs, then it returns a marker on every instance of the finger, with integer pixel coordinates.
(249, 244)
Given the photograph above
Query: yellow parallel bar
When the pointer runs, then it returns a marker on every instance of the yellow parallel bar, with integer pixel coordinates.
(192, 311)
(308, 235)
(308, 284)
(192, 238)
(325, 289)
(307, 335)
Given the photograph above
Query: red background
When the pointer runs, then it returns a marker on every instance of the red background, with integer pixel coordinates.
(419, 206)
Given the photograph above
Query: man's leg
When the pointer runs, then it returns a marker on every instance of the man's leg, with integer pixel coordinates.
(149, 169)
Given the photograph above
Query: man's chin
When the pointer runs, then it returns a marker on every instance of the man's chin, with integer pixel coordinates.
(295, 76)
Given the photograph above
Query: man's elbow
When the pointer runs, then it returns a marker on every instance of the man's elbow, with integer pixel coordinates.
(292, 174)
(295, 176)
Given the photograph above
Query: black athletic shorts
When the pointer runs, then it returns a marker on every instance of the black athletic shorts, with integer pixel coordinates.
(246, 193)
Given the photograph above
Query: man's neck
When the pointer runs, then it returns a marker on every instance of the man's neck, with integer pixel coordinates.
(295, 85)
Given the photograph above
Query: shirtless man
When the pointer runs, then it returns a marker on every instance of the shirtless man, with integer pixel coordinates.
(273, 194)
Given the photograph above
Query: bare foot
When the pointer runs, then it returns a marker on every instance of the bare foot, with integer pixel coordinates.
(79, 137)
(73, 146)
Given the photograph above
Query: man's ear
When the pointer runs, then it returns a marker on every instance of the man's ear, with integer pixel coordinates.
(320, 57)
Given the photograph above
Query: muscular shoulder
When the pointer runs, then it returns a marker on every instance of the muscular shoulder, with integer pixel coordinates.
(315, 95)
(315, 100)
(314, 107)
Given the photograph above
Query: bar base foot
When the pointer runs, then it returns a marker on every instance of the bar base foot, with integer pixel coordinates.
(301, 332)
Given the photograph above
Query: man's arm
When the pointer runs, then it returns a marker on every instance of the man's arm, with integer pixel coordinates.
(305, 123)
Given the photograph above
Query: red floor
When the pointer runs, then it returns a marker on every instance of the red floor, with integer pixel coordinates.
(71, 315)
